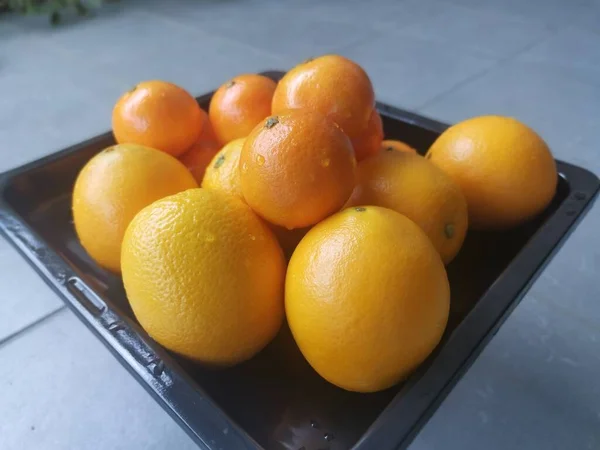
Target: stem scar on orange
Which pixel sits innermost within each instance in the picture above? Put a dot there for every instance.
(160, 115)
(332, 85)
(297, 168)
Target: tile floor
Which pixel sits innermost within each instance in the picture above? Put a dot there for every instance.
(534, 387)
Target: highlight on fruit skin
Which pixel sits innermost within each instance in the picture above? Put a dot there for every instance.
(204, 276)
(113, 187)
(297, 168)
(504, 168)
(367, 298)
(411, 185)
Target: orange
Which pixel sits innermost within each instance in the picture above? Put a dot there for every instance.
(204, 276)
(411, 185)
(366, 298)
(332, 85)
(239, 105)
(368, 143)
(391, 144)
(504, 168)
(297, 168)
(110, 190)
(158, 114)
(222, 173)
(197, 158)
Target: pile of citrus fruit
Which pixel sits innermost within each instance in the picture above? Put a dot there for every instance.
(282, 202)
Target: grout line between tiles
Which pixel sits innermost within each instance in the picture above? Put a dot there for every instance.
(8, 339)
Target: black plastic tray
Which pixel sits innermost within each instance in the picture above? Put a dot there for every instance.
(276, 401)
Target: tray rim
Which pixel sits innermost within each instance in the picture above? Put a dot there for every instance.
(203, 420)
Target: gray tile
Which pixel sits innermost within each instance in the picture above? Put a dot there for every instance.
(564, 110)
(551, 12)
(53, 99)
(571, 280)
(47, 111)
(22, 51)
(290, 29)
(379, 15)
(495, 35)
(198, 68)
(64, 390)
(589, 18)
(574, 51)
(535, 386)
(114, 30)
(24, 298)
(412, 71)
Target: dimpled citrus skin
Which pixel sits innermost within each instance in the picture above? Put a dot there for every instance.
(204, 276)
(391, 145)
(160, 115)
(411, 185)
(504, 168)
(113, 187)
(238, 105)
(366, 297)
(297, 168)
(197, 158)
(223, 172)
(368, 143)
(332, 85)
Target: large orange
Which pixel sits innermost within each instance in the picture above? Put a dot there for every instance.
(395, 145)
(366, 297)
(504, 168)
(222, 173)
(160, 115)
(204, 276)
(411, 185)
(197, 158)
(332, 85)
(297, 168)
(368, 142)
(113, 187)
(239, 104)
